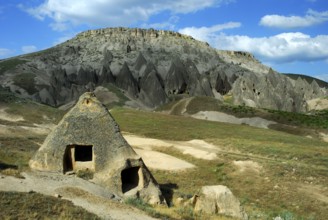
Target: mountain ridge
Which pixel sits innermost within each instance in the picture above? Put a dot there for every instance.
(152, 67)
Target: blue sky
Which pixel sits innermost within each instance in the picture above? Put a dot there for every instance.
(288, 35)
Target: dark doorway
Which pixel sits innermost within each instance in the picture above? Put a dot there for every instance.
(68, 160)
(83, 153)
(77, 157)
(130, 178)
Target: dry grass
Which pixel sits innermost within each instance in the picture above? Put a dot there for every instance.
(293, 166)
(16, 205)
(288, 162)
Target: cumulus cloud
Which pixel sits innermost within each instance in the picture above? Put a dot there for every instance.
(29, 49)
(285, 47)
(208, 33)
(111, 13)
(281, 48)
(279, 21)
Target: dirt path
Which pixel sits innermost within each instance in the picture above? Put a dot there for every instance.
(82, 193)
(185, 103)
(9, 117)
(160, 161)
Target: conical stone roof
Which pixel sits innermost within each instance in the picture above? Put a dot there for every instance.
(89, 139)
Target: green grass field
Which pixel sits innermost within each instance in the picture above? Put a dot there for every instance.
(289, 162)
(292, 182)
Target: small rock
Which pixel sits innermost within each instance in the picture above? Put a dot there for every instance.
(58, 195)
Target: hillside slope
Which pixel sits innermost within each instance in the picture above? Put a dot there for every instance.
(309, 79)
(151, 67)
(272, 173)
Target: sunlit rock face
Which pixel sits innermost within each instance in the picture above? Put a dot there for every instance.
(151, 67)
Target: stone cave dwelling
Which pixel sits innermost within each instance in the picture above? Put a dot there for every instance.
(89, 139)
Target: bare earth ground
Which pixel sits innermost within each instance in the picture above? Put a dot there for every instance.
(197, 148)
(82, 193)
(9, 117)
(223, 117)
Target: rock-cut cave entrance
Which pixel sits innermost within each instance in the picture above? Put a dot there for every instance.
(78, 157)
(132, 179)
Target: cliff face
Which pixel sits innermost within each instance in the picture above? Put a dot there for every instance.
(152, 66)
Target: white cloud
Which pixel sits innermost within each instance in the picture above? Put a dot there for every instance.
(4, 52)
(285, 47)
(208, 33)
(281, 48)
(170, 24)
(29, 49)
(279, 21)
(112, 13)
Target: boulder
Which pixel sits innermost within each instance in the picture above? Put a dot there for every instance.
(219, 200)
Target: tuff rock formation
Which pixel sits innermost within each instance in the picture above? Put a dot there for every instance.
(219, 200)
(88, 139)
(152, 67)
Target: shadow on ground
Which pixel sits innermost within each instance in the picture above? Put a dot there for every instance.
(168, 191)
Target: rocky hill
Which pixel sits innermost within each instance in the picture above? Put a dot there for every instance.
(151, 67)
(309, 79)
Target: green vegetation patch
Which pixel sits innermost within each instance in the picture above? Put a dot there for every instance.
(142, 205)
(26, 81)
(15, 152)
(318, 119)
(6, 96)
(247, 139)
(33, 112)
(122, 98)
(10, 64)
(198, 104)
(314, 120)
(17, 205)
